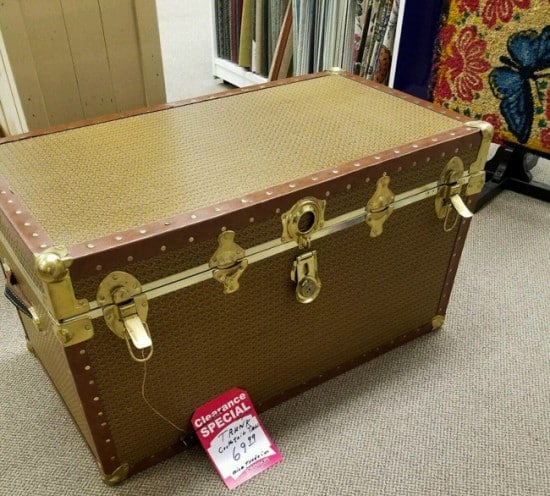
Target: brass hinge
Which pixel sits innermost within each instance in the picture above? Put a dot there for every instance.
(228, 262)
(306, 276)
(125, 309)
(380, 207)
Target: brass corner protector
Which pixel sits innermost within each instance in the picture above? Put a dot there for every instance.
(120, 474)
(486, 130)
(75, 332)
(52, 266)
(437, 322)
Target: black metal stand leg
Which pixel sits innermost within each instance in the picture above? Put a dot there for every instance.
(510, 169)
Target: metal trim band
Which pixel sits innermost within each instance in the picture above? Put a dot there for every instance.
(260, 252)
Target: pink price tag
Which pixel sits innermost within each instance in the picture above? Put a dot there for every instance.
(232, 434)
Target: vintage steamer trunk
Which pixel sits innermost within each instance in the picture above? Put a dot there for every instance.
(267, 238)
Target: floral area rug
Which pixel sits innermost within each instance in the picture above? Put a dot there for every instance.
(493, 63)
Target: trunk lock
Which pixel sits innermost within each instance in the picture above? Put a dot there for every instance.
(125, 310)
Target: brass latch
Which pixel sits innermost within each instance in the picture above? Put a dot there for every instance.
(305, 275)
(304, 218)
(228, 262)
(380, 206)
(448, 196)
(125, 310)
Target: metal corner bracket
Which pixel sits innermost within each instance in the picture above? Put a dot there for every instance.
(120, 474)
(477, 173)
(437, 322)
(486, 130)
(74, 332)
(52, 267)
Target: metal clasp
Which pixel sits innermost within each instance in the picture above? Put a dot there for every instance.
(305, 274)
(125, 310)
(380, 207)
(228, 262)
(448, 197)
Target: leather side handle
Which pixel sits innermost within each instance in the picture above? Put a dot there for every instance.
(14, 294)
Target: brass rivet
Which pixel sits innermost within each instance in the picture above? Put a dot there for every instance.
(96, 398)
(98, 267)
(43, 245)
(251, 219)
(103, 424)
(90, 245)
(82, 352)
(428, 159)
(18, 212)
(35, 235)
(87, 367)
(100, 414)
(167, 223)
(377, 157)
(292, 185)
(113, 458)
(217, 209)
(435, 140)
(130, 258)
(415, 146)
(397, 151)
(163, 248)
(399, 169)
(327, 193)
(193, 216)
(27, 224)
(314, 178)
(269, 193)
(357, 164)
(348, 187)
(107, 440)
(367, 179)
(456, 150)
(224, 228)
(335, 171)
(244, 200)
(414, 164)
(142, 231)
(191, 239)
(118, 238)
(452, 134)
(10, 201)
(91, 383)
(443, 154)
(278, 211)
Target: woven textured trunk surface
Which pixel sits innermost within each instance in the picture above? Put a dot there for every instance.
(199, 154)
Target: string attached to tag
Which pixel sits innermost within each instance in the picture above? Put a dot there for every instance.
(147, 402)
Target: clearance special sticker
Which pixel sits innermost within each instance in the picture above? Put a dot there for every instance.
(232, 434)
